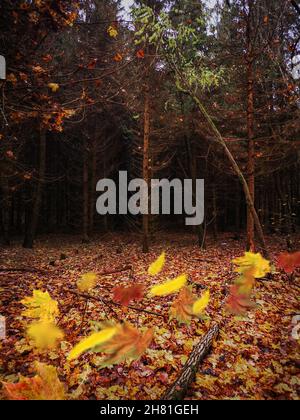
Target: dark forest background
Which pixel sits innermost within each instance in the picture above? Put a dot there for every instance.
(79, 99)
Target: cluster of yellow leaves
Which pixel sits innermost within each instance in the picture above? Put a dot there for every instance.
(186, 304)
(120, 342)
(53, 86)
(43, 332)
(44, 386)
(251, 266)
(87, 282)
(112, 31)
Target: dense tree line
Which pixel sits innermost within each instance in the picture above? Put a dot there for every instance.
(86, 96)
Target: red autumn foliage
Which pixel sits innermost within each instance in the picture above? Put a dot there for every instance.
(125, 295)
(289, 262)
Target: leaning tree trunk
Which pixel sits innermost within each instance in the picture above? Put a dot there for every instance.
(250, 204)
(180, 387)
(33, 222)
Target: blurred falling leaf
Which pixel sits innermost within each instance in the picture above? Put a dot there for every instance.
(238, 303)
(125, 295)
(127, 344)
(87, 282)
(256, 261)
(182, 307)
(158, 265)
(169, 287)
(201, 304)
(289, 262)
(44, 334)
(92, 341)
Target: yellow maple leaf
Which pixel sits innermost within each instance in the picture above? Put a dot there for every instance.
(260, 266)
(169, 287)
(112, 32)
(45, 386)
(201, 304)
(40, 306)
(87, 281)
(53, 86)
(158, 265)
(92, 341)
(44, 334)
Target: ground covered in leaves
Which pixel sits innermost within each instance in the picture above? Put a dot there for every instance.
(255, 357)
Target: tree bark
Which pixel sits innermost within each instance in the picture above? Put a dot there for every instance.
(33, 222)
(180, 387)
(85, 216)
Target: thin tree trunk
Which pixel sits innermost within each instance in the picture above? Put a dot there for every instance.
(93, 185)
(85, 221)
(33, 222)
(146, 157)
(251, 153)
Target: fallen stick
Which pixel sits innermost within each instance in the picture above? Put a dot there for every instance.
(21, 270)
(179, 388)
(109, 302)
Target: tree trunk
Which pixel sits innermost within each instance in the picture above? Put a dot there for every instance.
(180, 387)
(146, 157)
(5, 205)
(93, 185)
(85, 216)
(251, 153)
(33, 222)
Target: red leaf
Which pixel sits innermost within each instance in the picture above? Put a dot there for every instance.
(289, 262)
(125, 295)
(238, 303)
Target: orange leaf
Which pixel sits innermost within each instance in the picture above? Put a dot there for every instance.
(238, 303)
(127, 344)
(289, 262)
(182, 308)
(125, 295)
(45, 386)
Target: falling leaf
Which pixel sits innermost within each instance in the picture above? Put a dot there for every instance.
(201, 304)
(246, 282)
(237, 303)
(182, 308)
(44, 334)
(112, 31)
(53, 86)
(127, 344)
(158, 265)
(289, 262)
(41, 306)
(92, 341)
(87, 282)
(45, 386)
(169, 287)
(256, 261)
(125, 295)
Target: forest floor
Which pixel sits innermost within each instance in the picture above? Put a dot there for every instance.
(255, 357)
